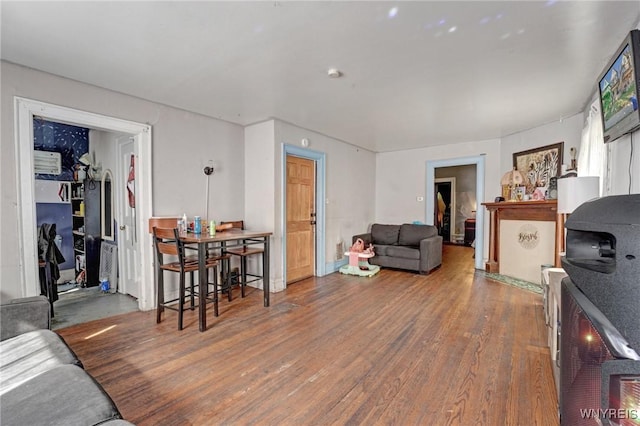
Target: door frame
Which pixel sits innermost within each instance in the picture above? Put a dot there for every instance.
(320, 159)
(25, 110)
(479, 161)
(452, 206)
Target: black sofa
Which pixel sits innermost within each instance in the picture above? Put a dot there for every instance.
(41, 380)
(408, 246)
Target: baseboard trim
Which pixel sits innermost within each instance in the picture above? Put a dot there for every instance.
(335, 266)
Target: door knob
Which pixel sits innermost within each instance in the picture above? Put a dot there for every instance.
(122, 227)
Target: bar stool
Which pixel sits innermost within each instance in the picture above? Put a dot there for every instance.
(167, 243)
(224, 259)
(244, 252)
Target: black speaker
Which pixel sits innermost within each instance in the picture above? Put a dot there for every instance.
(603, 259)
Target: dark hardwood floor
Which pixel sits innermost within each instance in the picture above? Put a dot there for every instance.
(449, 348)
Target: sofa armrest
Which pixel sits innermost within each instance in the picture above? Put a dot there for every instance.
(22, 315)
(364, 237)
(430, 253)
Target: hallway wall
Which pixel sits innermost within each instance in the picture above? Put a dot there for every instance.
(183, 142)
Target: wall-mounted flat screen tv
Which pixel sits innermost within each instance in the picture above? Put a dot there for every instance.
(618, 87)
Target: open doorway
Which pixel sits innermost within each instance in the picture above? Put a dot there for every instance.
(466, 201)
(26, 111)
(75, 198)
(445, 216)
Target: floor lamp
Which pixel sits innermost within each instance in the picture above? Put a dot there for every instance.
(572, 192)
(208, 171)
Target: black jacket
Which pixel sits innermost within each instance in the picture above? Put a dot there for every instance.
(49, 253)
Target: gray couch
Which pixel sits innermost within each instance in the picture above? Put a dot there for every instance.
(407, 246)
(41, 380)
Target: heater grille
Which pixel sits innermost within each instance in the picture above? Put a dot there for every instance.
(109, 264)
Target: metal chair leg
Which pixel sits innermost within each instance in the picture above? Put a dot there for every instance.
(191, 296)
(160, 296)
(243, 274)
(215, 291)
(181, 302)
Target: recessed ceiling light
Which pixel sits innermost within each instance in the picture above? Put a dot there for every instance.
(334, 73)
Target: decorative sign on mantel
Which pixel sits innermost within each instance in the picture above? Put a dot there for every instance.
(528, 236)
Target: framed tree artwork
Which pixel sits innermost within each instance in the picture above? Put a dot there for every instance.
(539, 164)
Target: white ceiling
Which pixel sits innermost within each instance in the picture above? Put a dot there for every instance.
(415, 73)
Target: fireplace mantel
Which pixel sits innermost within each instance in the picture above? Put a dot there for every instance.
(521, 210)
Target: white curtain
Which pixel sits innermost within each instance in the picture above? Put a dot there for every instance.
(592, 159)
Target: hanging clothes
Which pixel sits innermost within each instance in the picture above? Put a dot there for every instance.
(50, 254)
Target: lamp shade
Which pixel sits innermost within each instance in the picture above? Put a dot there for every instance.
(85, 159)
(573, 191)
(513, 177)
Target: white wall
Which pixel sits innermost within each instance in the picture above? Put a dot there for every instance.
(401, 175)
(622, 174)
(350, 180)
(623, 166)
(259, 194)
(568, 130)
(182, 144)
(103, 145)
(401, 178)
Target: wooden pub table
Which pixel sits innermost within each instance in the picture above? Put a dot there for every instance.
(224, 240)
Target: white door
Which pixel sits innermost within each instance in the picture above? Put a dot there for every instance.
(128, 248)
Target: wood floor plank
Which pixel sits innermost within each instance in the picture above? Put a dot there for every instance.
(451, 347)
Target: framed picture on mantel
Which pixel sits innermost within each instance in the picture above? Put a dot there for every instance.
(539, 165)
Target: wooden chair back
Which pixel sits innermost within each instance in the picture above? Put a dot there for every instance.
(235, 224)
(167, 242)
(162, 222)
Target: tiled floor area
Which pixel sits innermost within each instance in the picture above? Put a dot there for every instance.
(79, 305)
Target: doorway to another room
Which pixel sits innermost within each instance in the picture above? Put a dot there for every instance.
(85, 191)
(460, 183)
(76, 196)
(445, 213)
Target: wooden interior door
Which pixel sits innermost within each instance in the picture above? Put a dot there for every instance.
(301, 195)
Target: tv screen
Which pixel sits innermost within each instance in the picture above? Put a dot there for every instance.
(618, 87)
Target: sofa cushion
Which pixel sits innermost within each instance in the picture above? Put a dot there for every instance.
(24, 314)
(382, 249)
(403, 252)
(65, 395)
(384, 234)
(411, 235)
(27, 355)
